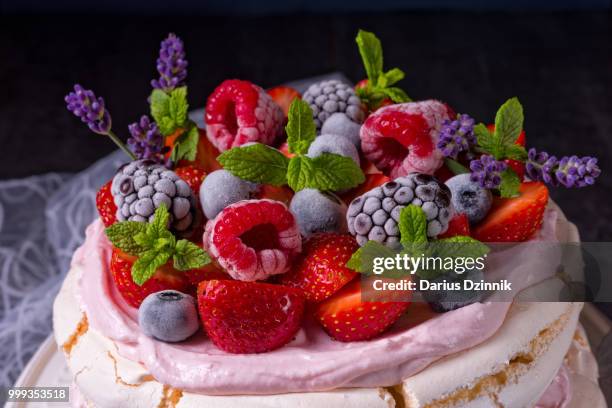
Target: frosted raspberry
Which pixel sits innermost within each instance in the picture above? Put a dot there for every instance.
(253, 239)
(238, 112)
(401, 139)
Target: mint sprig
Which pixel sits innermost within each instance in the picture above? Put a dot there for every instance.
(263, 164)
(380, 83)
(154, 245)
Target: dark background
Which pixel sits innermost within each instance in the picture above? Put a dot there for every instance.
(558, 62)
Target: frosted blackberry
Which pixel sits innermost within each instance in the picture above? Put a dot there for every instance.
(374, 215)
(328, 97)
(141, 186)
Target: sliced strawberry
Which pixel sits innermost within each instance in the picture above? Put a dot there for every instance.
(320, 270)
(371, 181)
(207, 272)
(514, 219)
(249, 317)
(193, 175)
(283, 96)
(346, 318)
(283, 194)
(517, 166)
(106, 205)
(458, 225)
(165, 278)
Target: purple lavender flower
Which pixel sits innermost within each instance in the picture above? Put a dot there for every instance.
(486, 171)
(570, 171)
(171, 64)
(456, 136)
(146, 142)
(84, 104)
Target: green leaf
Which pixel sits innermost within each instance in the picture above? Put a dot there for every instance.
(333, 172)
(412, 226)
(371, 53)
(391, 77)
(510, 184)
(455, 166)
(122, 235)
(169, 110)
(160, 108)
(460, 246)
(257, 163)
(188, 255)
(509, 122)
(362, 260)
(147, 263)
(178, 105)
(186, 145)
(301, 129)
(159, 225)
(396, 94)
(486, 140)
(515, 152)
(300, 172)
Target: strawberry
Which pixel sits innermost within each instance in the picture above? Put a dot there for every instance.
(320, 270)
(514, 219)
(362, 85)
(284, 149)
(371, 181)
(106, 205)
(249, 317)
(443, 173)
(283, 96)
(282, 194)
(206, 156)
(346, 318)
(164, 278)
(458, 225)
(207, 272)
(193, 175)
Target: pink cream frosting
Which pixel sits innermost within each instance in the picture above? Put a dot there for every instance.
(313, 361)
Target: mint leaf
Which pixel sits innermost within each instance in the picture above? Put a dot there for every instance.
(391, 77)
(169, 111)
(515, 152)
(510, 184)
(300, 172)
(333, 172)
(301, 129)
(188, 255)
(371, 53)
(122, 235)
(509, 122)
(159, 225)
(178, 106)
(257, 163)
(362, 260)
(412, 226)
(455, 166)
(460, 246)
(160, 108)
(396, 94)
(186, 145)
(147, 263)
(486, 140)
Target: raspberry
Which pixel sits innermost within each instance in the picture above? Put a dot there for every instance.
(253, 239)
(401, 139)
(328, 97)
(238, 112)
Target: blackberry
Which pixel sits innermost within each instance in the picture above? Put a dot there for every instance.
(141, 186)
(374, 215)
(328, 97)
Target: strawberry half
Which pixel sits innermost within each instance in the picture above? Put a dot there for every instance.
(249, 317)
(514, 219)
(106, 205)
(165, 278)
(346, 318)
(458, 225)
(192, 175)
(283, 96)
(371, 181)
(320, 270)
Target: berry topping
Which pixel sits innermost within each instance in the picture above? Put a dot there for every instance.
(192, 175)
(249, 317)
(469, 197)
(346, 318)
(459, 225)
(142, 186)
(254, 239)
(457, 136)
(331, 96)
(164, 278)
(283, 96)
(146, 142)
(401, 139)
(171, 64)
(221, 188)
(238, 112)
(375, 215)
(169, 316)
(316, 211)
(320, 270)
(105, 205)
(333, 144)
(514, 219)
(446, 300)
(487, 171)
(572, 171)
(340, 124)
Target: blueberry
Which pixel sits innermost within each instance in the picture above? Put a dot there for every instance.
(220, 189)
(316, 211)
(333, 144)
(340, 124)
(446, 300)
(168, 316)
(469, 197)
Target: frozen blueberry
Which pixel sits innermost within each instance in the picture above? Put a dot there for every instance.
(221, 188)
(168, 316)
(333, 144)
(446, 300)
(341, 125)
(469, 197)
(316, 211)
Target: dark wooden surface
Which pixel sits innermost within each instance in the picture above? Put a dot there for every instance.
(559, 65)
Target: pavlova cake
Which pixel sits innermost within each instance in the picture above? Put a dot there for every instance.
(231, 266)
